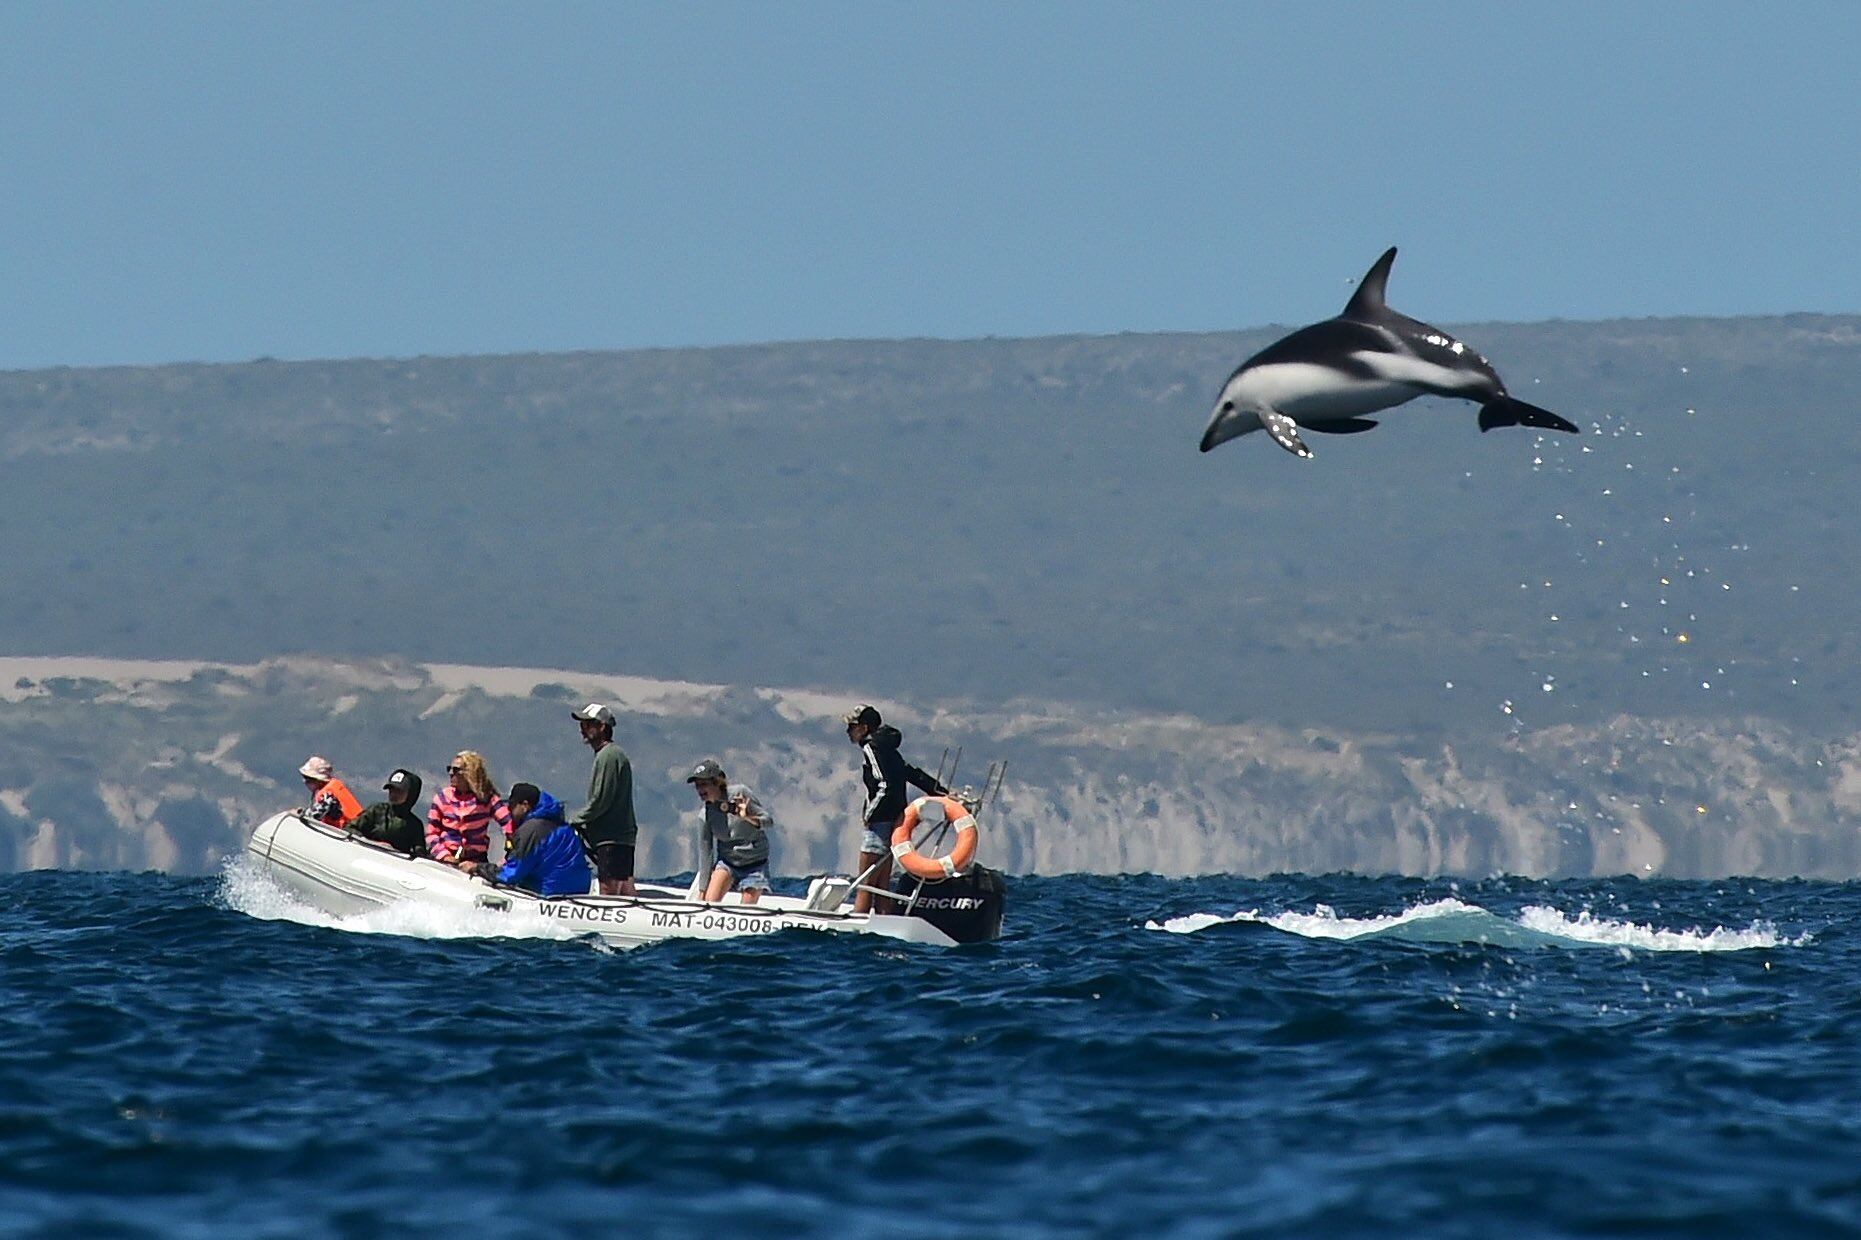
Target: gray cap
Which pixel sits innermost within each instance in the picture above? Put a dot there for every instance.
(594, 712)
(707, 769)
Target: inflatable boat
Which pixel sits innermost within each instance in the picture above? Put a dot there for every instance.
(340, 874)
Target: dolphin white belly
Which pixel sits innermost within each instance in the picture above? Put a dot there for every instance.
(1308, 390)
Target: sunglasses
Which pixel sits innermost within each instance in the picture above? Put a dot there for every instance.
(455, 770)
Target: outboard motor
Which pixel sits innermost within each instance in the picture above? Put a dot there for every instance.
(968, 907)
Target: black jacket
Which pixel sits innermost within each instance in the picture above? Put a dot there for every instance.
(885, 773)
(397, 826)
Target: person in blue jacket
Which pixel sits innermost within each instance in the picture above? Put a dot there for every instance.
(545, 853)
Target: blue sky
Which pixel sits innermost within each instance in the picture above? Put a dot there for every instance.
(224, 181)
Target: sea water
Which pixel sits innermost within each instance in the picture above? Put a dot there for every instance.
(1331, 1056)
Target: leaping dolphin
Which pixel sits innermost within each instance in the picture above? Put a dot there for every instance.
(1327, 376)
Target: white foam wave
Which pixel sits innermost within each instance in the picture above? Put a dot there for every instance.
(1585, 927)
(1192, 922)
(1455, 921)
(1323, 921)
(245, 888)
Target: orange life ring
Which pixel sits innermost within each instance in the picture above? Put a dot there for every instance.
(936, 868)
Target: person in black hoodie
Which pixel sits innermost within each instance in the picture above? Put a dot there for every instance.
(393, 821)
(885, 773)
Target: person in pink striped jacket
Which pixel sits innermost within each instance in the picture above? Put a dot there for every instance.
(458, 826)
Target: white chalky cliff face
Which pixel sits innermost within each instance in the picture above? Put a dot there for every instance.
(1328, 376)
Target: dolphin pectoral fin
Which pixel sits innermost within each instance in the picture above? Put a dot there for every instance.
(1509, 412)
(1349, 426)
(1285, 433)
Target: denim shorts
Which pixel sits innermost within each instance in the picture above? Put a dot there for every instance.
(748, 877)
(875, 843)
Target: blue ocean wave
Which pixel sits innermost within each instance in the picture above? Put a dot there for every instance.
(178, 1058)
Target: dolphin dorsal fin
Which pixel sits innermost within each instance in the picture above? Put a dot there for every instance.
(1367, 302)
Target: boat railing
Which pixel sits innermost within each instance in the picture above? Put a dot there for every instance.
(673, 904)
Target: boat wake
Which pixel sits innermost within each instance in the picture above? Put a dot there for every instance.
(1454, 921)
(246, 888)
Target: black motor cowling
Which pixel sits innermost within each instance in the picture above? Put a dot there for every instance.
(968, 907)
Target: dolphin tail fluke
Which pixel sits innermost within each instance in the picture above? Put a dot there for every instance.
(1508, 412)
(1369, 299)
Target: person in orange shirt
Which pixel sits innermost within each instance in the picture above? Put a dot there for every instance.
(330, 798)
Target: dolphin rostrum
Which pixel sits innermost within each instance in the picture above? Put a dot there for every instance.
(1327, 376)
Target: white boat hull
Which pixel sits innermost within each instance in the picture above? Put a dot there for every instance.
(335, 872)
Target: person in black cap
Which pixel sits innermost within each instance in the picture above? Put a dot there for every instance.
(393, 821)
(545, 853)
(885, 773)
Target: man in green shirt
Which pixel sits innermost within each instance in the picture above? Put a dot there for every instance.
(606, 822)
